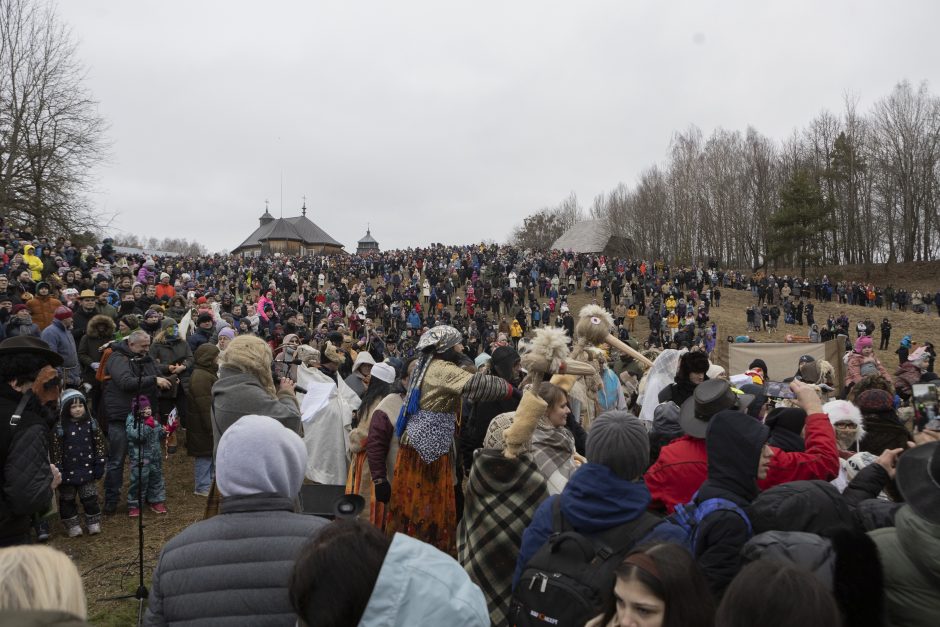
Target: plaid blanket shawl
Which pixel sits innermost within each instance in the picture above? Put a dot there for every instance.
(501, 498)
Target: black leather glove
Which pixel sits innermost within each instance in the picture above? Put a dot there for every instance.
(383, 491)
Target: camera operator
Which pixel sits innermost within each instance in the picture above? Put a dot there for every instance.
(246, 386)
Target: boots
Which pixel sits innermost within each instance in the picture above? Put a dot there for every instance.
(93, 521)
(72, 526)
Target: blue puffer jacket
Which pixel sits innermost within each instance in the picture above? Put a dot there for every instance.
(593, 501)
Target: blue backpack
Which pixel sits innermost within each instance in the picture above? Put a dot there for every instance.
(683, 525)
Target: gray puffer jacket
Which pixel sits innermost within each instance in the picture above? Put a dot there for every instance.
(233, 568)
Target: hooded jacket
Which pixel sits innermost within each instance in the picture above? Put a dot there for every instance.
(34, 262)
(237, 394)
(910, 556)
(594, 500)
(234, 568)
(61, 341)
(167, 352)
(199, 406)
(682, 465)
(734, 441)
(420, 585)
(100, 331)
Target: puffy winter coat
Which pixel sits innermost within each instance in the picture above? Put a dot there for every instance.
(905, 377)
(42, 309)
(99, 332)
(124, 375)
(237, 564)
(682, 466)
(168, 352)
(910, 556)
(199, 406)
(28, 490)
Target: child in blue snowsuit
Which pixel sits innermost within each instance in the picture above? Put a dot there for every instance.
(145, 444)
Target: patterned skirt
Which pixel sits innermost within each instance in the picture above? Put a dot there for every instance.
(359, 482)
(422, 504)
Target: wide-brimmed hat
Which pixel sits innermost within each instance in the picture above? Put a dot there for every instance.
(33, 345)
(709, 398)
(918, 479)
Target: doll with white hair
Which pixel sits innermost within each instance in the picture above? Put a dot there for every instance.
(846, 420)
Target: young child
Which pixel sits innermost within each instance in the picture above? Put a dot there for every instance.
(145, 444)
(78, 451)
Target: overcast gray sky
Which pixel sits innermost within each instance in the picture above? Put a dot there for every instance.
(442, 121)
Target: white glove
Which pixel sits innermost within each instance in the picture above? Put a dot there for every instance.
(94, 365)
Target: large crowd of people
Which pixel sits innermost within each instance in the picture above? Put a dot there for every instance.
(516, 460)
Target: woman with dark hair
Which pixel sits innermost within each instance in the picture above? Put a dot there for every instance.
(659, 586)
(352, 574)
(773, 594)
(691, 372)
(359, 480)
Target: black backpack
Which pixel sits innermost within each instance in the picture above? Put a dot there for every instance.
(571, 578)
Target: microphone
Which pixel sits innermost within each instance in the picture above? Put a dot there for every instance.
(300, 389)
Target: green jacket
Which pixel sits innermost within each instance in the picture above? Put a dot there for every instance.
(910, 557)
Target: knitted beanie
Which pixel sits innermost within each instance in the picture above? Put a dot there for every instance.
(259, 455)
(619, 440)
(863, 342)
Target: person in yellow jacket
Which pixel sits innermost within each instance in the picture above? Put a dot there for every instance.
(515, 332)
(671, 303)
(632, 313)
(33, 261)
(673, 323)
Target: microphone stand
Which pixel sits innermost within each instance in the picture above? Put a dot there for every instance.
(142, 593)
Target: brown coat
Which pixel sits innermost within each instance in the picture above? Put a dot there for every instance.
(42, 309)
(199, 396)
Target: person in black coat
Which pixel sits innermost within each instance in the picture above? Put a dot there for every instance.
(26, 488)
(505, 363)
(738, 455)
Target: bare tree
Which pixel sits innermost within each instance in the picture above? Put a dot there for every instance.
(51, 134)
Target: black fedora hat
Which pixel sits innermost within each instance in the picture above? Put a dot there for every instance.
(27, 344)
(709, 398)
(918, 480)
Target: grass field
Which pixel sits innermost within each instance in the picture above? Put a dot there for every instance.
(108, 562)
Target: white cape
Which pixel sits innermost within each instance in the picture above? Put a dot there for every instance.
(326, 411)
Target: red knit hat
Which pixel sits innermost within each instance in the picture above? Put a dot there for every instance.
(62, 313)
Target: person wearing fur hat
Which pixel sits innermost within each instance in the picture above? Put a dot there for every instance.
(246, 386)
(863, 362)
(846, 420)
(98, 334)
(604, 493)
(144, 435)
(238, 563)
(910, 372)
(42, 307)
(78, 451)
(422, 502)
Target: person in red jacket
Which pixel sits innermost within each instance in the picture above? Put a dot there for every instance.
(682, 466)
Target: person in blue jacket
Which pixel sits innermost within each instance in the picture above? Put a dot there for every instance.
(603, 493)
